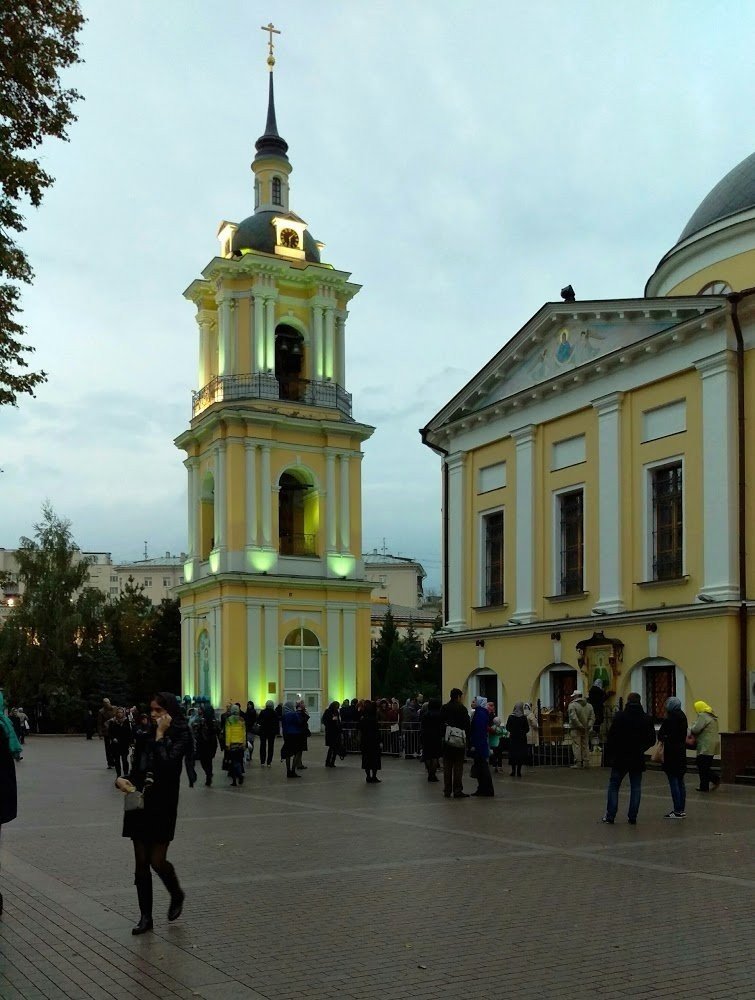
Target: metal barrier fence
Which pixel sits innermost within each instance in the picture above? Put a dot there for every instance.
(397, 739)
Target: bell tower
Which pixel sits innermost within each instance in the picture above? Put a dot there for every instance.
(274, 604)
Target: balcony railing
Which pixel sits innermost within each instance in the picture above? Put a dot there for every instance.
(261, 385)
(298, 545)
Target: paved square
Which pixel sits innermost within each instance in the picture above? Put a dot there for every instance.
(328, 887)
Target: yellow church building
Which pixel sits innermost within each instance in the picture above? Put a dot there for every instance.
(599, 488)
(275, 604)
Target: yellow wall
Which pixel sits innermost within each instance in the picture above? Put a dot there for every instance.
(737, 271)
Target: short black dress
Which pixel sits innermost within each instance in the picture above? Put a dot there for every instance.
(8, 806)
(162, 759)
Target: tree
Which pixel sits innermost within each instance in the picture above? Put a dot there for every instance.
(381, 652)
(130, 618)
(38, 39)
(411, 646)
(399, 679)
(165, 646)
(39, 640)
(431, 672)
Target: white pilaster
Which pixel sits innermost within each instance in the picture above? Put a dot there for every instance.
(330, 336)
(266, 492)
(719, 466)
(455, 553)
(349, 654)
(204, 322)
(192, 468)
(270, 334)
(317, 337)
(609, 502)
(330, 500)
(221, 513)
(341, 348)
(524, 438)
(255, 675)
(224, 335)
(188, 678)
(335, 687)
(250, 455)
(271, 670)
(345, 506)
(258, 358)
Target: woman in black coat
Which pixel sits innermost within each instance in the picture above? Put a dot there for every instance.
(157, 774)
(432, 729)
(10, 752)
(370, 737)
(518, 727)
(331, 719)
(673, 736)
(120, 735)
(269, 723)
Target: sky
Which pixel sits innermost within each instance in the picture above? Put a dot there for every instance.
(463, 160)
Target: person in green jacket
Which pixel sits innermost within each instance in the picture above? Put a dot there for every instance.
(705, 730)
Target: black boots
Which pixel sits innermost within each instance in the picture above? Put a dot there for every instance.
(170, 881)
(143, 885)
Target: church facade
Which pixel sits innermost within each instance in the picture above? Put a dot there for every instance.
(274, 604)
(597, 518)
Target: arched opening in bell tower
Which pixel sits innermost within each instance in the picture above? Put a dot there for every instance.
(207, 516)
(289, 362)
(298, 514)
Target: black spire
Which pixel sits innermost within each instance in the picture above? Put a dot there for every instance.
(271, 144)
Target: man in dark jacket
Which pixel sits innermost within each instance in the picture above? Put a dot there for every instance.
(631, 734)
(454, 713)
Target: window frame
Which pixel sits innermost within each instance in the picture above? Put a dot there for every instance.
(483, 589)
(557, 540)
(650, 531)
(276, 192)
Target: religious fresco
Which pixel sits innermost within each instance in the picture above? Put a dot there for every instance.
(571, 344)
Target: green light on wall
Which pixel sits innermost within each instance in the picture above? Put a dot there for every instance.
(262, 560)
(188, 572)
(214, 562)
(341, 565)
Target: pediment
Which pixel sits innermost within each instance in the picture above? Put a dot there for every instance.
(561, 339)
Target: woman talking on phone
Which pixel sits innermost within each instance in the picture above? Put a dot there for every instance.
(156, 774)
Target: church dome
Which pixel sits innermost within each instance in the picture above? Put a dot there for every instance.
(258, 233)
(733, 194)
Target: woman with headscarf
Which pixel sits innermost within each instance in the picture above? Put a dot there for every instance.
(518, 728)
(673, 736)
(478, 737)
(331, 720)
(10, 752)
(292, 724)
(532, 734)
(205, 731)
(121, 737)
(269, 724)
(370, 739)
(235, 744)
(157, 775)
(250, 721)
(705, 731)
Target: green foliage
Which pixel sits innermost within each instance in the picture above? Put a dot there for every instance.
(399, 680)
(38, 39)
(166, 646)
(431, 673)
(130, 618)
(381, 652)
(38, 645)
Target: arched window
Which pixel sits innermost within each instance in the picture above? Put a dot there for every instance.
(289, 362)
(715, 288)
(301, 670)
(298, 515)
(207, 516)
(277, 198)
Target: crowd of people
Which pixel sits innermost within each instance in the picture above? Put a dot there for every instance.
(149, 751)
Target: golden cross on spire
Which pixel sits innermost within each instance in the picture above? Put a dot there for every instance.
(271, 30)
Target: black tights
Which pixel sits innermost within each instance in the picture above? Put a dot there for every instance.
(150, 856)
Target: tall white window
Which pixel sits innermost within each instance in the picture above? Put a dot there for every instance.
(666, 520)
(491, 558)
(570, 541)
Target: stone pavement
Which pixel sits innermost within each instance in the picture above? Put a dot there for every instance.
(328, 887)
